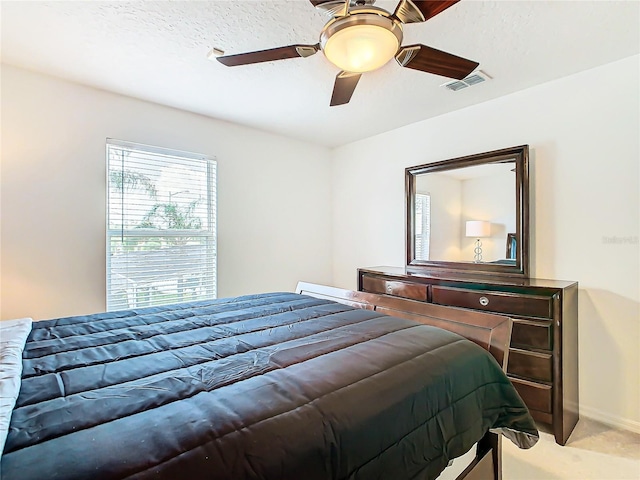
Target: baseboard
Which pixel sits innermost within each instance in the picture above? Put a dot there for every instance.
(608, 419)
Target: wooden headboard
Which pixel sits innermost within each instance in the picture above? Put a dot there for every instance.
(491, 332)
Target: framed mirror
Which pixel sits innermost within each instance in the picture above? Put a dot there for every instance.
(470, 214)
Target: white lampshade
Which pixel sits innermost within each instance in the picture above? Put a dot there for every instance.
(478, 228)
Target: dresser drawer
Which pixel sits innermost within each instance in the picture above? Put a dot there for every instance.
(528, 333)
(537, 366)
(501, 302)
(414, 291)
(535, 395)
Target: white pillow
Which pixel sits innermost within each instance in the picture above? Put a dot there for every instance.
(13, 336)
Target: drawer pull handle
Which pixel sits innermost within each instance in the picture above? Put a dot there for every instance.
(389, 288)
(484, 301)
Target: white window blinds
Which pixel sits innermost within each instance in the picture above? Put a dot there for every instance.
(423, 225)
(161, 226)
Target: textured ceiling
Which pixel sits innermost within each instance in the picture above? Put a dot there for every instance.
(157, 51)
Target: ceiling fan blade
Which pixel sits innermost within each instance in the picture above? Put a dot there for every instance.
(280, 53)
(427, 59)
(343, 88)
(333, 8)
(412, 11)
(319, 3)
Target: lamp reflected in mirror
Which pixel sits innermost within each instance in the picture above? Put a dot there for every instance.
(478, 229)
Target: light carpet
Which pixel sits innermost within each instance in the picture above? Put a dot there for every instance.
(594, 452)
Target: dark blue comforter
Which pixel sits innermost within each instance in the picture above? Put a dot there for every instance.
(272, 386)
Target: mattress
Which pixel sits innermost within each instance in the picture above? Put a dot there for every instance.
(269, 386)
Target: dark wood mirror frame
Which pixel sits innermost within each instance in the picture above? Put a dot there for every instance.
(520, 155)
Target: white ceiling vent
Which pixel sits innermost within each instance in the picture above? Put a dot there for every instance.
(472, 79)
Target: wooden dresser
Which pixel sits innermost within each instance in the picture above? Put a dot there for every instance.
(543, 358)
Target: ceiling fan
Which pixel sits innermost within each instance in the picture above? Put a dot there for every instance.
(361, 38)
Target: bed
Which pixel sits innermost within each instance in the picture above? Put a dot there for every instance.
(323, 383)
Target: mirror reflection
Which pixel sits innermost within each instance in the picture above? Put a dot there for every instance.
(467, 214)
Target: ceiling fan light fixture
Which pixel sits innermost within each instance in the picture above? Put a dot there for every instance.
(361, 42)
(361, 38)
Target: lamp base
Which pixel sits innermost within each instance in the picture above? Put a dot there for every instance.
(477, 258)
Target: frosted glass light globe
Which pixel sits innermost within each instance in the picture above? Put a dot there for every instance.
(361, 48)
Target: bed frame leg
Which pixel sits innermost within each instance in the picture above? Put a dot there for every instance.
(487, 464)
(493, 442)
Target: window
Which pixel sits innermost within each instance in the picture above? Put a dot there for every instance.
(161, 226)
(423, 225)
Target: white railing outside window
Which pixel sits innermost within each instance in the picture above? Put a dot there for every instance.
(161, 226)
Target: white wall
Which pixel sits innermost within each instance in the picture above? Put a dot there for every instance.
(583, 134)
(274, 213)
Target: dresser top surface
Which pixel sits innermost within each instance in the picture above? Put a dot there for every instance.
(492, 279)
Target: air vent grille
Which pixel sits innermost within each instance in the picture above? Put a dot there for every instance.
(455, 86)
(473, 78)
